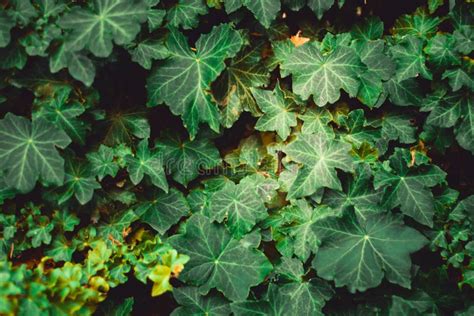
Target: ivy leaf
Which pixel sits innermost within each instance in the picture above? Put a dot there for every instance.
(409, 188)
(62, 113)
(105, 21)
(465, 131)
(305, 298)
(79, 181)
(239, 205)
(357, 193)
(125, 126)
(147, 162)
(81, 68)
(319, 155)
(184, 158)
(193, 303)
(410, 60)
(440, 51)
(358, 253)
(186, 13)
(116, 225)
(163, 210)
(320, 6)
(446, 110)
(420, 24)
(6, 24)
(317, 121)
(183, 80)
(323, 75)
(277, 111)
(218, 260)
(148, 50)
(398, 127)
(406, 92)
(245, 71)
(102, 162)
(27, 152)
(265, 11)
(459, 78)
(370, 29)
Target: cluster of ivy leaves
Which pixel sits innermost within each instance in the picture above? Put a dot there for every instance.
(292, 157)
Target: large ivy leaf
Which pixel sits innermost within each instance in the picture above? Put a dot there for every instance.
(184, 79)
(193, 303)
(277, 111)
(409, 186)
(323, 76)
(358, 253)
(440, 51)
(103, 22)
(320, 156)
(147, 162)
(102, 162)
(184, 159)
(218, 260)
(27, 152)
(239, 205)
(163, 210)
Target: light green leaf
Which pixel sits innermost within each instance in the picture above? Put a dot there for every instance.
(358, 253)
(319, 156)
(317, 121)
(184, 158)
(323, 75)
(81, 68)
(184, 79)
(459, 78)
(218, 260)
(277, 109)
(105, 21)
(420, 24)
(148, 162)
(27, 152)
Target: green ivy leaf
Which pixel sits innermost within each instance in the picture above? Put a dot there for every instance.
(239, 205)
(320, 156)
(79, 181)
(163, 210)
(410, 60)
(184, 158)
(358, 253)
(264, 10)
(323, 75)
(102, 162)
(183, 80)
(277, 107)
(186, 13)
(105, 21)
(193, 303)
(27, 152)
(420, 23)
(6, 24)
(217, 258)
(408, 187)
(147, 162)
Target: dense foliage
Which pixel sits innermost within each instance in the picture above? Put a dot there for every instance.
(245, 157)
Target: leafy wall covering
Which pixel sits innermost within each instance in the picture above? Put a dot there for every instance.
(244, 157)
